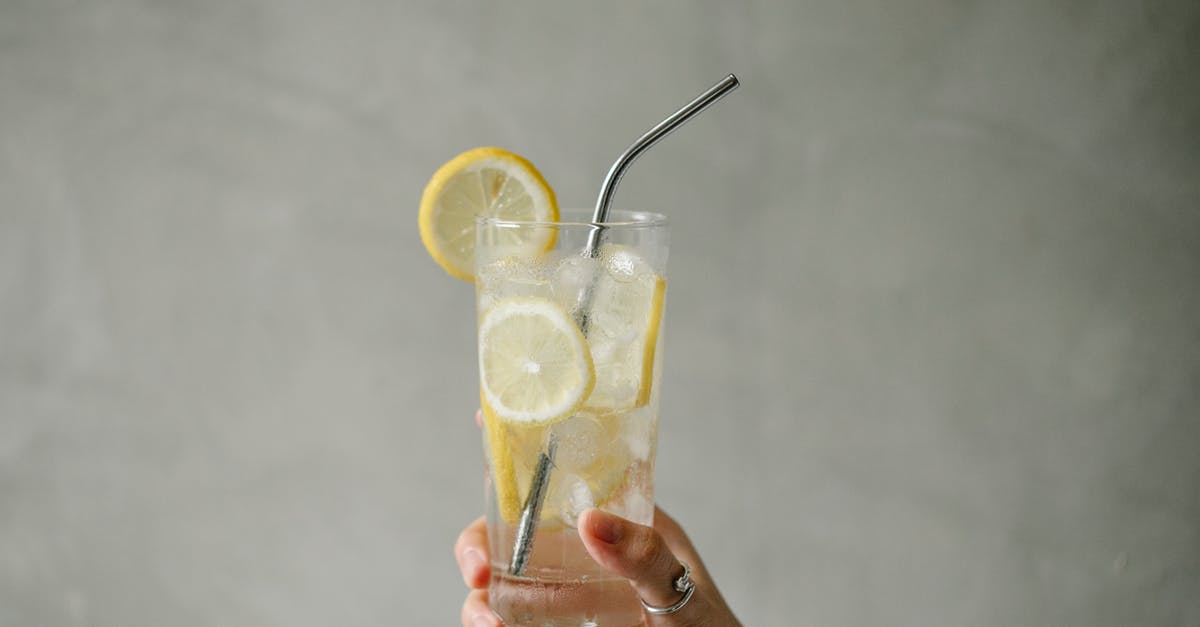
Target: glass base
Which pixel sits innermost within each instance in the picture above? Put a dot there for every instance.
(585, 602)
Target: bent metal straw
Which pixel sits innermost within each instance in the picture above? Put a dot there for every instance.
(532, 508)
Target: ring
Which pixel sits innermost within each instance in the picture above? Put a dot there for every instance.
(683, 584)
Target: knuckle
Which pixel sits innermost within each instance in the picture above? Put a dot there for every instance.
(646, 549)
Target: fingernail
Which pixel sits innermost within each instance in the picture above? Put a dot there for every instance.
(472, 560)
(482, 621)
(606, 527)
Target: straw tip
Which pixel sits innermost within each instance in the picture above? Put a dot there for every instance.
(732, 80)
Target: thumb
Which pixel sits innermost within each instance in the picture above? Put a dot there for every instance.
(635, 552)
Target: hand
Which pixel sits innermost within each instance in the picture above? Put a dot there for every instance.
(648, 557)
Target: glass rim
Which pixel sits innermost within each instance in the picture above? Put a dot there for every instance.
(618, 218)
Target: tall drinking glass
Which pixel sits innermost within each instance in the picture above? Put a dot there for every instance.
(570, 351)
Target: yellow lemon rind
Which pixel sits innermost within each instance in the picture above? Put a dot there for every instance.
(459, 164)
(651, 347)
(504, 472)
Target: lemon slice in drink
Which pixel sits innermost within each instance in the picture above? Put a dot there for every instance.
(624, 322)
(590, 465)
(483, 182)
(535, 370)
(534, 363)
(500, 443)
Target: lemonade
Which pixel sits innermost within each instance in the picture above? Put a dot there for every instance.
(570, 354)
(570, 335)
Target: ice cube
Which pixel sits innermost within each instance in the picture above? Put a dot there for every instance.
(638, 507)
(572, 495)
(572, 276)
(622, 264)
(604, 352)
(580, 439)
(637, 431)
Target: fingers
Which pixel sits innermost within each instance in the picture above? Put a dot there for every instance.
(680, 544)
(471, 551)
(682, 547)
(476, 613)
(675, 538)
(635, 552)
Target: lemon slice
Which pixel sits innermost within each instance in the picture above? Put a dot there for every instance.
(624, 324)
(499, 443)
(590, 466)
(483, 182)
(534, 363)
(650, 344)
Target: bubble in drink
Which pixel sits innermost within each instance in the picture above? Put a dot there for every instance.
(512, 277)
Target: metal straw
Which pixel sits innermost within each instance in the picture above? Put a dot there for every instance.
(651, 137)
(533, 507)
(541, 477)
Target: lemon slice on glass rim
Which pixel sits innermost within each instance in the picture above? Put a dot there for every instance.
(483, 182)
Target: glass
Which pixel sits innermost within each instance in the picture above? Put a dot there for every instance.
(604, 453)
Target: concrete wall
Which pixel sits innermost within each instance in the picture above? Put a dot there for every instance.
(933, 335)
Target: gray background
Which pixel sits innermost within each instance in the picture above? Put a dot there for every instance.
(933, 351)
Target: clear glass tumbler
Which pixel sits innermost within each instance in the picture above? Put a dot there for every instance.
(570, 360)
